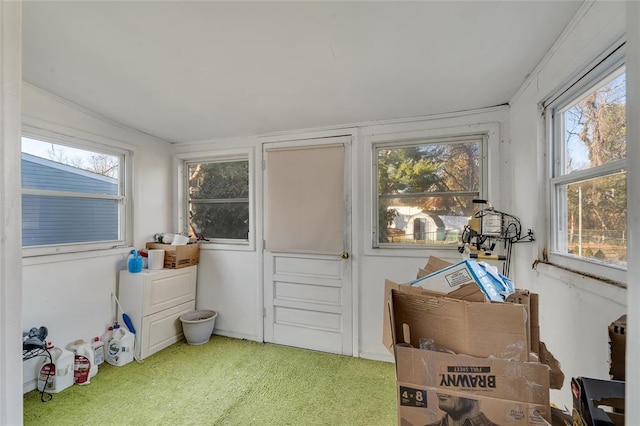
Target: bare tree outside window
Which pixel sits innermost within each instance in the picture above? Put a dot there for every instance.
(596, 205)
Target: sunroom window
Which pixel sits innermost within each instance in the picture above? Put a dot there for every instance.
(72, 196)
(588, 174)
(425, 190)
(218, 199)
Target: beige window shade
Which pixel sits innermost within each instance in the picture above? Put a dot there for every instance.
(305, 201)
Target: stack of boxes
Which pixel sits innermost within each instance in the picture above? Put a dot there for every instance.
(458, 346)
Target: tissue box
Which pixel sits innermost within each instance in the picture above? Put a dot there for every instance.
(178, 256)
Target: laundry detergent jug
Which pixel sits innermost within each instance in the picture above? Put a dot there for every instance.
(121, 347)
(57, 375)
(84, 362)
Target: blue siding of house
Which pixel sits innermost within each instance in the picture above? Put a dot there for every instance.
(48, 220)
(39, 176)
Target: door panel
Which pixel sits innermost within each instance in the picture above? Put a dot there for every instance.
(307, 283)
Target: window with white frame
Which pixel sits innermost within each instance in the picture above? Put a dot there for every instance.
(587, 186)
(425, 189)
(218, 199)
(73, 196)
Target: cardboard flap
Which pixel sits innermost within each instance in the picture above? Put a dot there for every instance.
(476, 329)
(433, 264)
(468, 292)
(556, 374)
(389, 285)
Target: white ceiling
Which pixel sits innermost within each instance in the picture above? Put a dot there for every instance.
(190, 71)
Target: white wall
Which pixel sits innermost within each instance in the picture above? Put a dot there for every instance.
(575, 311)
(70, 294)
(229, 281)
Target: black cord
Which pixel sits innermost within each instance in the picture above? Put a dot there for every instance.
(41, 352)
(50, 372)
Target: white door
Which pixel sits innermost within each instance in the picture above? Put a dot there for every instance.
(307, 262)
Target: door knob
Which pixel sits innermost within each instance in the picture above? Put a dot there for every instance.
(345, 255)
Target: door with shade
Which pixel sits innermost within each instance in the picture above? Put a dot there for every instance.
(307, 228)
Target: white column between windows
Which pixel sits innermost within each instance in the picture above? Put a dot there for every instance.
(632, 391)
(10, 213)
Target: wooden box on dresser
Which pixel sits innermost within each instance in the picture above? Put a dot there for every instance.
(155, 299)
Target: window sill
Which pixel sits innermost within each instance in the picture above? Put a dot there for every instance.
(415, 252)
(64, 257)
(227, 246)
(606, 288)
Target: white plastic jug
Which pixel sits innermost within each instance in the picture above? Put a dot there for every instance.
(98, 350)
(121, 347)
(106, 337)
(84, 362)
(57, 375)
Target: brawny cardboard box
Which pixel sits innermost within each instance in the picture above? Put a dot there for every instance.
(491, 377)
(486, 354)
(506, 391)
(470, 292)
(178, 256)
(428, 406)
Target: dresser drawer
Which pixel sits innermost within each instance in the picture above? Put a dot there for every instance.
(162, 329)
(163, 291)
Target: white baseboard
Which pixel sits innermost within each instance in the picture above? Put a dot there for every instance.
(377, 356)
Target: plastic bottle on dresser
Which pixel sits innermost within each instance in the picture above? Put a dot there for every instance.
(98, 350)
(84, 362)
(57, 375)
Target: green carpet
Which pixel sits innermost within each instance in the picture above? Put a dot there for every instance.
(227, 382)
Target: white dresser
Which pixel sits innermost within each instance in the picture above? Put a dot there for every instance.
(155, 299)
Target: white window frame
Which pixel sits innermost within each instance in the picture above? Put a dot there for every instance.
(489, 187)
(599, 71)
(124, 182)
(183, 195)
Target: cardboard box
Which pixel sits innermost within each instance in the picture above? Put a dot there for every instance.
(420, 405)
(589, 395)
(449, 278)
(471, 293)
(470, 328)
(178, 256)
(617, 347)
(507, 392)
(490, 377)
